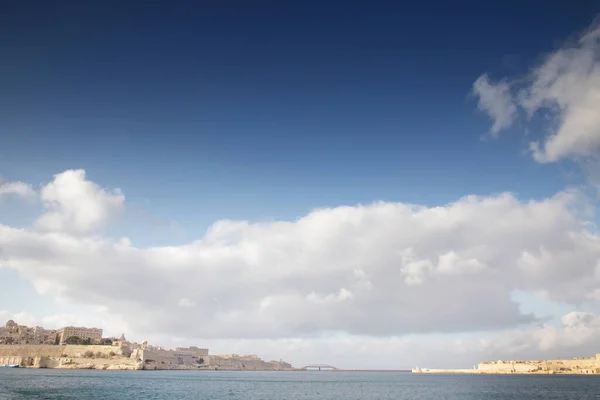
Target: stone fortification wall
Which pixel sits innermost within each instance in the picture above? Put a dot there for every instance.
(577, 366)
(504, 367)
(119, 363)
(117, 357)
(584, 366)
(56, 351)
(589, 365)
(197, 351)
(168, 359)
(31, 350)
(56, 356)
(244, 363)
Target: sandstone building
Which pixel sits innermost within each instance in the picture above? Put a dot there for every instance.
(94, 334)
(13, 333)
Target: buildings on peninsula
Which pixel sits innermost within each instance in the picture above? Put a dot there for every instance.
(94, 335)
(12, 334)
(85, 348)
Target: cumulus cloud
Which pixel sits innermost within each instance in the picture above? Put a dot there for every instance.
(16, 188)
(496, 100)
(77, 205)
(578, 334)
(566, 87)
(377, 270)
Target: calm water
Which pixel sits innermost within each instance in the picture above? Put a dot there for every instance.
(63, 384)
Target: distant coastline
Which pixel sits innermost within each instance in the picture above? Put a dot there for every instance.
(73, 347)
(573, 366)
(121, 356)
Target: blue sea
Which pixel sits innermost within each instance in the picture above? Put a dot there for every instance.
(90, 384)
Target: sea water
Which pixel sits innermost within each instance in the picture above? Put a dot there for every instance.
(246, 385)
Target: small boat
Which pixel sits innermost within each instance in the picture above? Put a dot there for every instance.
(10, 366)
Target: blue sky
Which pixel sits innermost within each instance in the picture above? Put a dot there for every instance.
(264, 111)
(251, 111)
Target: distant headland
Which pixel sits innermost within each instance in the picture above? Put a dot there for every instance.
(85, 348)
(579, 366)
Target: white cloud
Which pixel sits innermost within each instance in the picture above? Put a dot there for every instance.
(496, 100)
(381, 269)
(343, 295)
(185, 302)
(577, 336)
(21, 318)
(566, 86)
(450, 263)
(16, 188)
(77, 205)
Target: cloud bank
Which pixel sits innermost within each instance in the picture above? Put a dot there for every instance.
(377, 270)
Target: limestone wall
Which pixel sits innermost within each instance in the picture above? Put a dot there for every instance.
(166, 359)
(116, 357)
(192, 350)
(18, 360)
(578, 366)
(91, 363)
(582, 366)
(509, 367)
(169, 359)
(56, 351)
(244, 363)
(589, 365)
(31, 350)
(50, 356)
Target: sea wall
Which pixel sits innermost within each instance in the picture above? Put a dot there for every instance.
(67, 356)
(67, 350)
